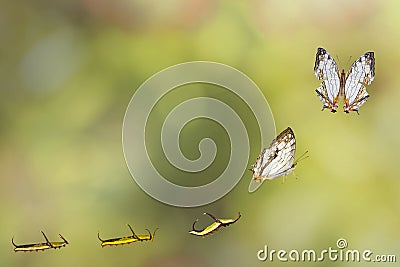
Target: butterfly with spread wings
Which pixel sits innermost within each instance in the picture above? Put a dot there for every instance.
(350, 85)
(275, 160)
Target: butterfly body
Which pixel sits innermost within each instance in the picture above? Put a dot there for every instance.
(351, 85)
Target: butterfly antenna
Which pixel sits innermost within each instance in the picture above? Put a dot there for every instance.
(338, 60)
(349, 61)
(303, 156)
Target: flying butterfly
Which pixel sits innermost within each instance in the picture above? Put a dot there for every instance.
(351, 85)
(276, 160)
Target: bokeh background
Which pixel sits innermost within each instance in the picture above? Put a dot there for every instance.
(69, 68)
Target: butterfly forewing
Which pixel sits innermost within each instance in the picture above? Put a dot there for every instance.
(326, 69)
(283, 161)
(276, 160)
(361, 73)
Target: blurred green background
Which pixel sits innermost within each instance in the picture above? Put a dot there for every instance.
(69, 68)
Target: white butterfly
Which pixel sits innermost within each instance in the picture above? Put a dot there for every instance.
(274, 161)
(350, 85)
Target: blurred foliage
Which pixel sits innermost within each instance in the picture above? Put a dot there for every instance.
(69, 68)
